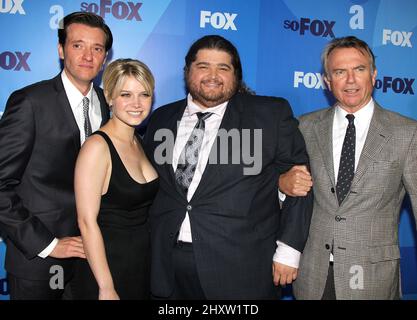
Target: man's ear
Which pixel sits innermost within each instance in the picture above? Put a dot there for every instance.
(328, 82)
(374, 77)
(61, 51)
(105, 60)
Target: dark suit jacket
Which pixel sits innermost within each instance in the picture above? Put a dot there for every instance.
(39, 144)
(235, 218)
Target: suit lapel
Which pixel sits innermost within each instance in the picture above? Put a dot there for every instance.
(65, 106)
(231, 120)
(378, 136)
(323, 130)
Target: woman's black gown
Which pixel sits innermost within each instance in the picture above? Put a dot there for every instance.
(123, 221)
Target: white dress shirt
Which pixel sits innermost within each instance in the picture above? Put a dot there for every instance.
(75, 98)
(186, 126)
(362, 122)
(212, 124)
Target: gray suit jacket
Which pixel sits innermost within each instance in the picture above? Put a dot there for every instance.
(364, 229)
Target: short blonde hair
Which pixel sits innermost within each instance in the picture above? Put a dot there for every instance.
(116, 72)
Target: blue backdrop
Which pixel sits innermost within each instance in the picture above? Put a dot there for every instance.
(280, 42)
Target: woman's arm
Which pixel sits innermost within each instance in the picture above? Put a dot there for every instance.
(91, 180)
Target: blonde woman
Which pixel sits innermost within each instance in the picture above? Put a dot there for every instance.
(115, 185)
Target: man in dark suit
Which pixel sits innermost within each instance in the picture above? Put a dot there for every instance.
(216, 220)
(41, 131)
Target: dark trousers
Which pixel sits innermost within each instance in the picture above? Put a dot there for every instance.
(24, 289)
(329, 290)
(187, 283)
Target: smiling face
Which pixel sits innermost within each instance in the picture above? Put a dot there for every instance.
(350, 77)
(83, 54)
(211, 78)
(132, 104)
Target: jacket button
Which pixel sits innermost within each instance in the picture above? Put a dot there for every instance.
(332, 190)
(327, 246)
(171, 235)
(189, 208)
(338, 218)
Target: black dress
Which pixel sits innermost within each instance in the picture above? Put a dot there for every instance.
(123, 221)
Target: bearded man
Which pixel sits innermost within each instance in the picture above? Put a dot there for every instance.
(217, 230)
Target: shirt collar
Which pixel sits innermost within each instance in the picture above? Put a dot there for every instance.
(74, 95)
(193, 108)
(362, 116)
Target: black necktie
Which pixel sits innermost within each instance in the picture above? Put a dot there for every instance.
(87, 123)
(347, 161)
(188, 159)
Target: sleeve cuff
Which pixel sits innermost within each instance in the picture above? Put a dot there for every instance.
(47, 251)
(281, 196)
(286, 255)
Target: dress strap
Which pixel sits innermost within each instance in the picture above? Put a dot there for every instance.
(113, 152)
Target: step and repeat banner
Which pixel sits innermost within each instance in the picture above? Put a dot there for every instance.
(280, 42)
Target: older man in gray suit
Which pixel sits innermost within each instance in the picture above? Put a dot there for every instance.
(363, 160)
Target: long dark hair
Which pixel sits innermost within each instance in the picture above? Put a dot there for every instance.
(218, 43)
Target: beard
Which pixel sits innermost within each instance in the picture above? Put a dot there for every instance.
(211, 97)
